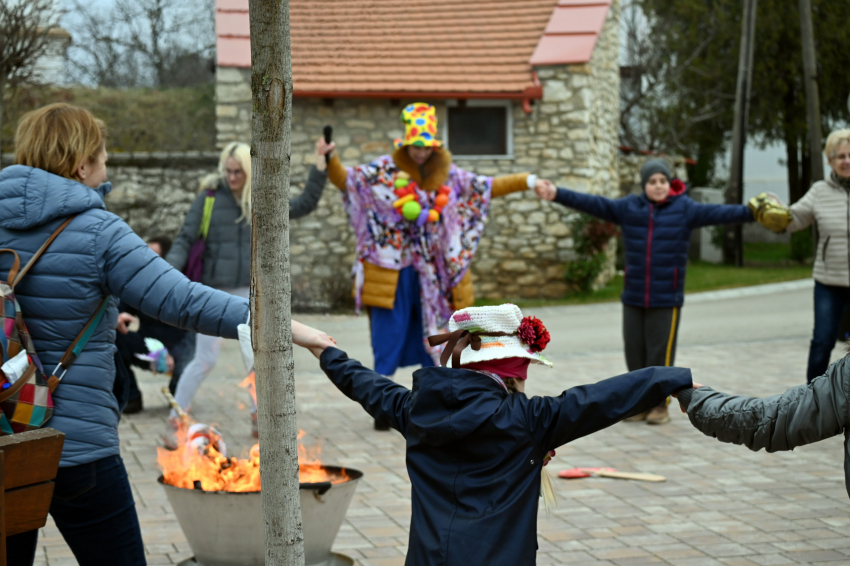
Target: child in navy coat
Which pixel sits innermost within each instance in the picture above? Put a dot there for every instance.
(476, 445)
(657, 235)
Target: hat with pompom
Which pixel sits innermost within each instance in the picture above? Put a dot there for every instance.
(482, 334)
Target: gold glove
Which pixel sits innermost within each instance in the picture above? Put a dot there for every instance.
(770, 212)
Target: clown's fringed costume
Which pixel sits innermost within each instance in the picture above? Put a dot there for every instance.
(417, 230)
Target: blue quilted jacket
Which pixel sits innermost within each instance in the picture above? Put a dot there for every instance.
(657, 237)
(96, 255)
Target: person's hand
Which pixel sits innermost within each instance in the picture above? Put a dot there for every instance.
(676, 395)
(125, 318)
(314, 340)
(323, 148)
(169, 363)
(545, 189)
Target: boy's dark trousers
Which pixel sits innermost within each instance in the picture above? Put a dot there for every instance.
(650, 335)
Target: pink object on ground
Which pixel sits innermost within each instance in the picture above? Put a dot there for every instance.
(576, 473)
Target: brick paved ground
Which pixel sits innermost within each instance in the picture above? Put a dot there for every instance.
(721, 505)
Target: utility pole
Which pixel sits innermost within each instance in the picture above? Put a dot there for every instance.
(274, 366)
(733, 246)
(807, 35)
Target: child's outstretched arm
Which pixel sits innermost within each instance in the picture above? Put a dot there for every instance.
(801, 415)
(586, 409)
(701, 214)
(607, 209)
(381, 397)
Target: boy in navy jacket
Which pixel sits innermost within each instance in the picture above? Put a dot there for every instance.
(476, 445)
(657, 235)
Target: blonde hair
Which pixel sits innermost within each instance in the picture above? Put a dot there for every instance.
(58, 138)
(241, 152)
(835, 139)
(209, 181)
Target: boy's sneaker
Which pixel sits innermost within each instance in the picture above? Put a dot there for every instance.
(133, 406)
(638, 417)
(658, 415)
(255, 431)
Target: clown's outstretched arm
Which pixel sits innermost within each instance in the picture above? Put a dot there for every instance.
(802, 415)
(507, 184)
(585, 409)
(337, 172)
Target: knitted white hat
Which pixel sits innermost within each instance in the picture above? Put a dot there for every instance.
(503, 318)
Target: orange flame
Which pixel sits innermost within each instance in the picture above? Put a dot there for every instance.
(216, 472)
(249, 384)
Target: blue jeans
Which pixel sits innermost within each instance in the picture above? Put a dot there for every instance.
(830, 302)
(397, 333)
(94, 510)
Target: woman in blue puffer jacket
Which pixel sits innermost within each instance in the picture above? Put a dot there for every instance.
(60, 172)
(657, 235)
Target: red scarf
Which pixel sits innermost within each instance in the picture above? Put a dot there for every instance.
(516, 368)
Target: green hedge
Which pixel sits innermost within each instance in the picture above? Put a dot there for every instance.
(176, 119)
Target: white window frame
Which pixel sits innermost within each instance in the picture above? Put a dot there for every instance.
(485, 103)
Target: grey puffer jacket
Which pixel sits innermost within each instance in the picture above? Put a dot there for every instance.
(802, 415)
(227, 258)
(827, 204)
(96, 255)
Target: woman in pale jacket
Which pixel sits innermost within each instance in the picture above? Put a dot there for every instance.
(827, 204)
(227, 257)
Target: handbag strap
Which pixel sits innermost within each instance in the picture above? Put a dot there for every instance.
(37, 254)
(209, 202)
(78, 344)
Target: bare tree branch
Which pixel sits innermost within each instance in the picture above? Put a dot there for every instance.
(143, 42)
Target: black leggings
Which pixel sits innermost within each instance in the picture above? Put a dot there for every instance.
(650, 336)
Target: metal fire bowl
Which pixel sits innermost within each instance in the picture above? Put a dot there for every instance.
(226, 528)
(336, 559)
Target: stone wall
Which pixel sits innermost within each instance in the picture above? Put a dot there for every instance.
(569, 137)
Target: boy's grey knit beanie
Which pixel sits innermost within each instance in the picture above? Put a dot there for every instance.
(652, 167)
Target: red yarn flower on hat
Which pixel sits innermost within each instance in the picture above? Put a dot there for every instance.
(532, 332)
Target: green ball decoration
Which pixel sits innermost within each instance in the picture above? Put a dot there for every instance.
(401, 183)
(411, 210)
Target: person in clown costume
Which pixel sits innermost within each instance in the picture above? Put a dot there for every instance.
(417, 218)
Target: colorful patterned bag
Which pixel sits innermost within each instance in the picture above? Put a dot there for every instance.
(25, 388)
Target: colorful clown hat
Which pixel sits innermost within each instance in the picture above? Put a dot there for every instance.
(420, 126)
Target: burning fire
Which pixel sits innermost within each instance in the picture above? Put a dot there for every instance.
(201, 457)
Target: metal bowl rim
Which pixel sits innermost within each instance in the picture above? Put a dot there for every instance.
(353, 476)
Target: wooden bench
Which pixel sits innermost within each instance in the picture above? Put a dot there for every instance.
(28, 465)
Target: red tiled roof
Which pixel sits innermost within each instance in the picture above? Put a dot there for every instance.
(394, 48)
(571, 33)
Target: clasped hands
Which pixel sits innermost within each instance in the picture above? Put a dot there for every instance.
(545, 189)
(302, 335)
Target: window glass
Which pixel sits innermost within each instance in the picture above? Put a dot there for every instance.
(477, 130)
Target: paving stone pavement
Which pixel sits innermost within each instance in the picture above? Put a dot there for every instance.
(721, 505)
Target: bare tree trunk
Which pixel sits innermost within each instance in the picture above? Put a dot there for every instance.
(271, 87)
(807, 35)
(733, 245)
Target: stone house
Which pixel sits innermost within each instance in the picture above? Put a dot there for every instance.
(519, 86)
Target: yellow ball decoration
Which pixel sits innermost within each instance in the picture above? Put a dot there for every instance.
(433, 215)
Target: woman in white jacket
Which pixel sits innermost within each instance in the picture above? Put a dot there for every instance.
(827, 204)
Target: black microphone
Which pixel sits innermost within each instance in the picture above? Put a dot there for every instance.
(328, 134)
